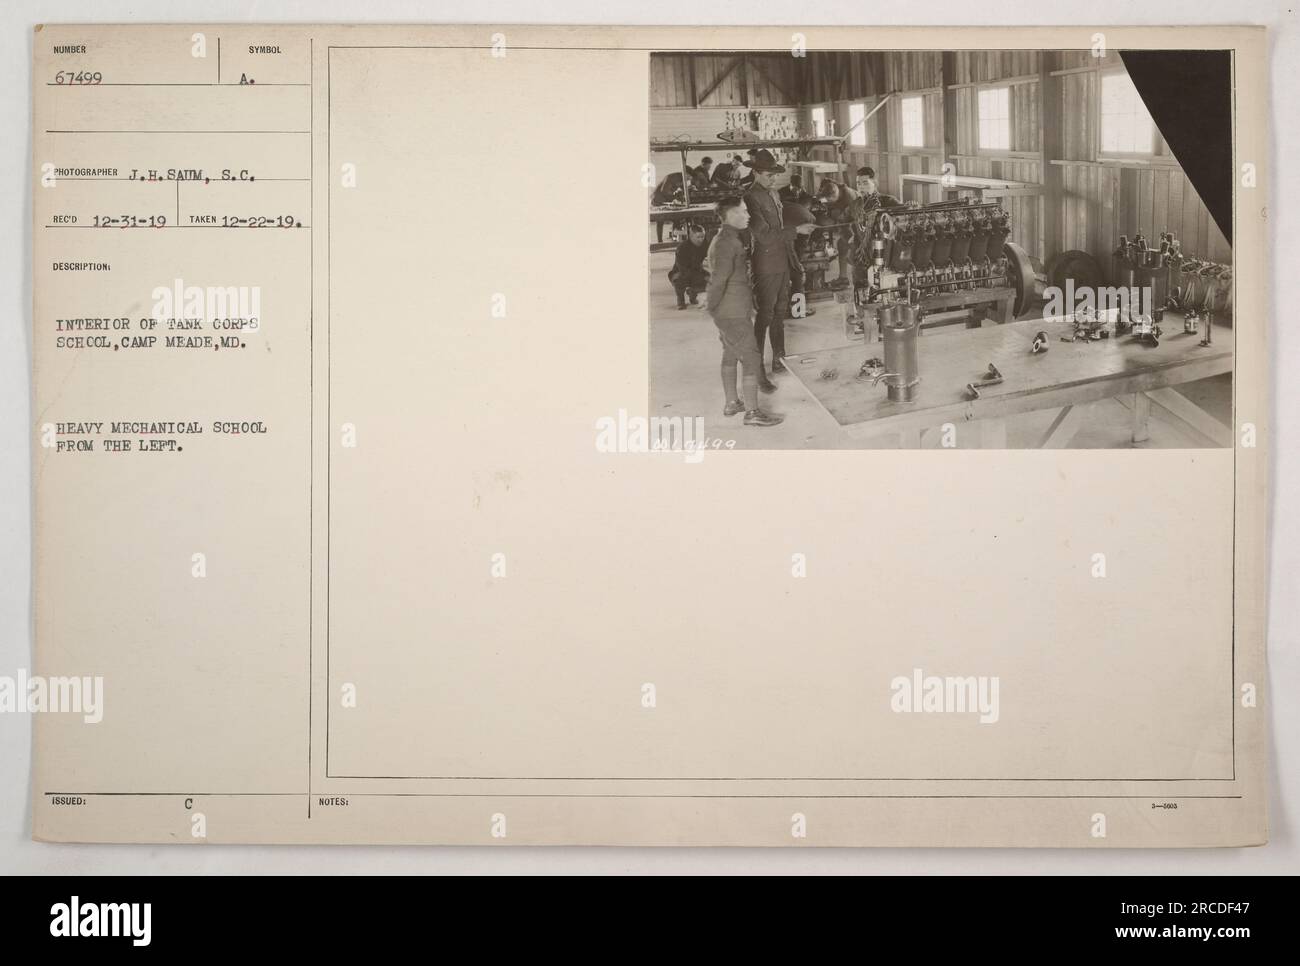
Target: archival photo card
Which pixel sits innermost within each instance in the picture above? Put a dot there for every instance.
(525, 435)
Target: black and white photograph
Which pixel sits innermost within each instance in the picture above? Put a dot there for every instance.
(943, 249)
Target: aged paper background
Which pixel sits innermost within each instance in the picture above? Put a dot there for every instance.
(521, 696)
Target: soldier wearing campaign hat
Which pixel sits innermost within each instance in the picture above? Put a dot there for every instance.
(769, 258)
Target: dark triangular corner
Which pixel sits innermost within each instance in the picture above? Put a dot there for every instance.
(1189, 96)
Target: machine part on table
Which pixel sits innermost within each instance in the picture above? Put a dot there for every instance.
(901, 329)
(1075, 265)
(1087, 325)
(901, 324)
(1139, 267)
(1040, 343)
(870, 367)
(1216, 278)
(1026, 275)
(1146, 330)
(1197, 287)
(915, 254)
(1123, 271)
(992, 377)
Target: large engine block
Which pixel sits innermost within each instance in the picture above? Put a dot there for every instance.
(910, 253)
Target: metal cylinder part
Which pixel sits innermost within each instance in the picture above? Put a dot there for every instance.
(1124, 274)
(921, 252)
(942, 250)
(1152, 278)
(901, 327)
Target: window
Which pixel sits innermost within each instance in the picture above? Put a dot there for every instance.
(995, 119)
(913, 122)
(858, 135)
(1126, 127)
(819, 122)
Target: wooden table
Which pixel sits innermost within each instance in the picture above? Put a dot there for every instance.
(706, 215)
(1066, 378)
(683, 213)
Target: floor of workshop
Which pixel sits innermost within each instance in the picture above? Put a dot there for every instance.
(684, 381)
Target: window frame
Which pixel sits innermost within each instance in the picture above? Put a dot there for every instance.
(1153, 153)
(902, 120)
(858, 137)
(980, 147)
(812, 119)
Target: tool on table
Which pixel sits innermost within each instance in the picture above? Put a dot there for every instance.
(1217, 277)
(1087, 326)
(1040, 343)
(1198, 305)
(1146, 329)
(870, 366)
(991, 378)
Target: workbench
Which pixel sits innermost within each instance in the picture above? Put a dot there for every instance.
(1067, 377)
(706, 215)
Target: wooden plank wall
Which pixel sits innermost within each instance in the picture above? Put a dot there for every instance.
(1093, 201)
(1101, 202)
(768, 80)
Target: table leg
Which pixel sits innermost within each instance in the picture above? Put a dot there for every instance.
(1182, 408)
(1063, 428)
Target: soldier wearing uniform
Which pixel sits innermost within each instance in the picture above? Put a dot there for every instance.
(769, 258)
(730, 301)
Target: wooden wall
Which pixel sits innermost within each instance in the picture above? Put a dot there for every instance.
(1099, 202)
(757, 80)
(1088, 201)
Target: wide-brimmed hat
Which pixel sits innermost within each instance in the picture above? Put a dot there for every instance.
(764, 162)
